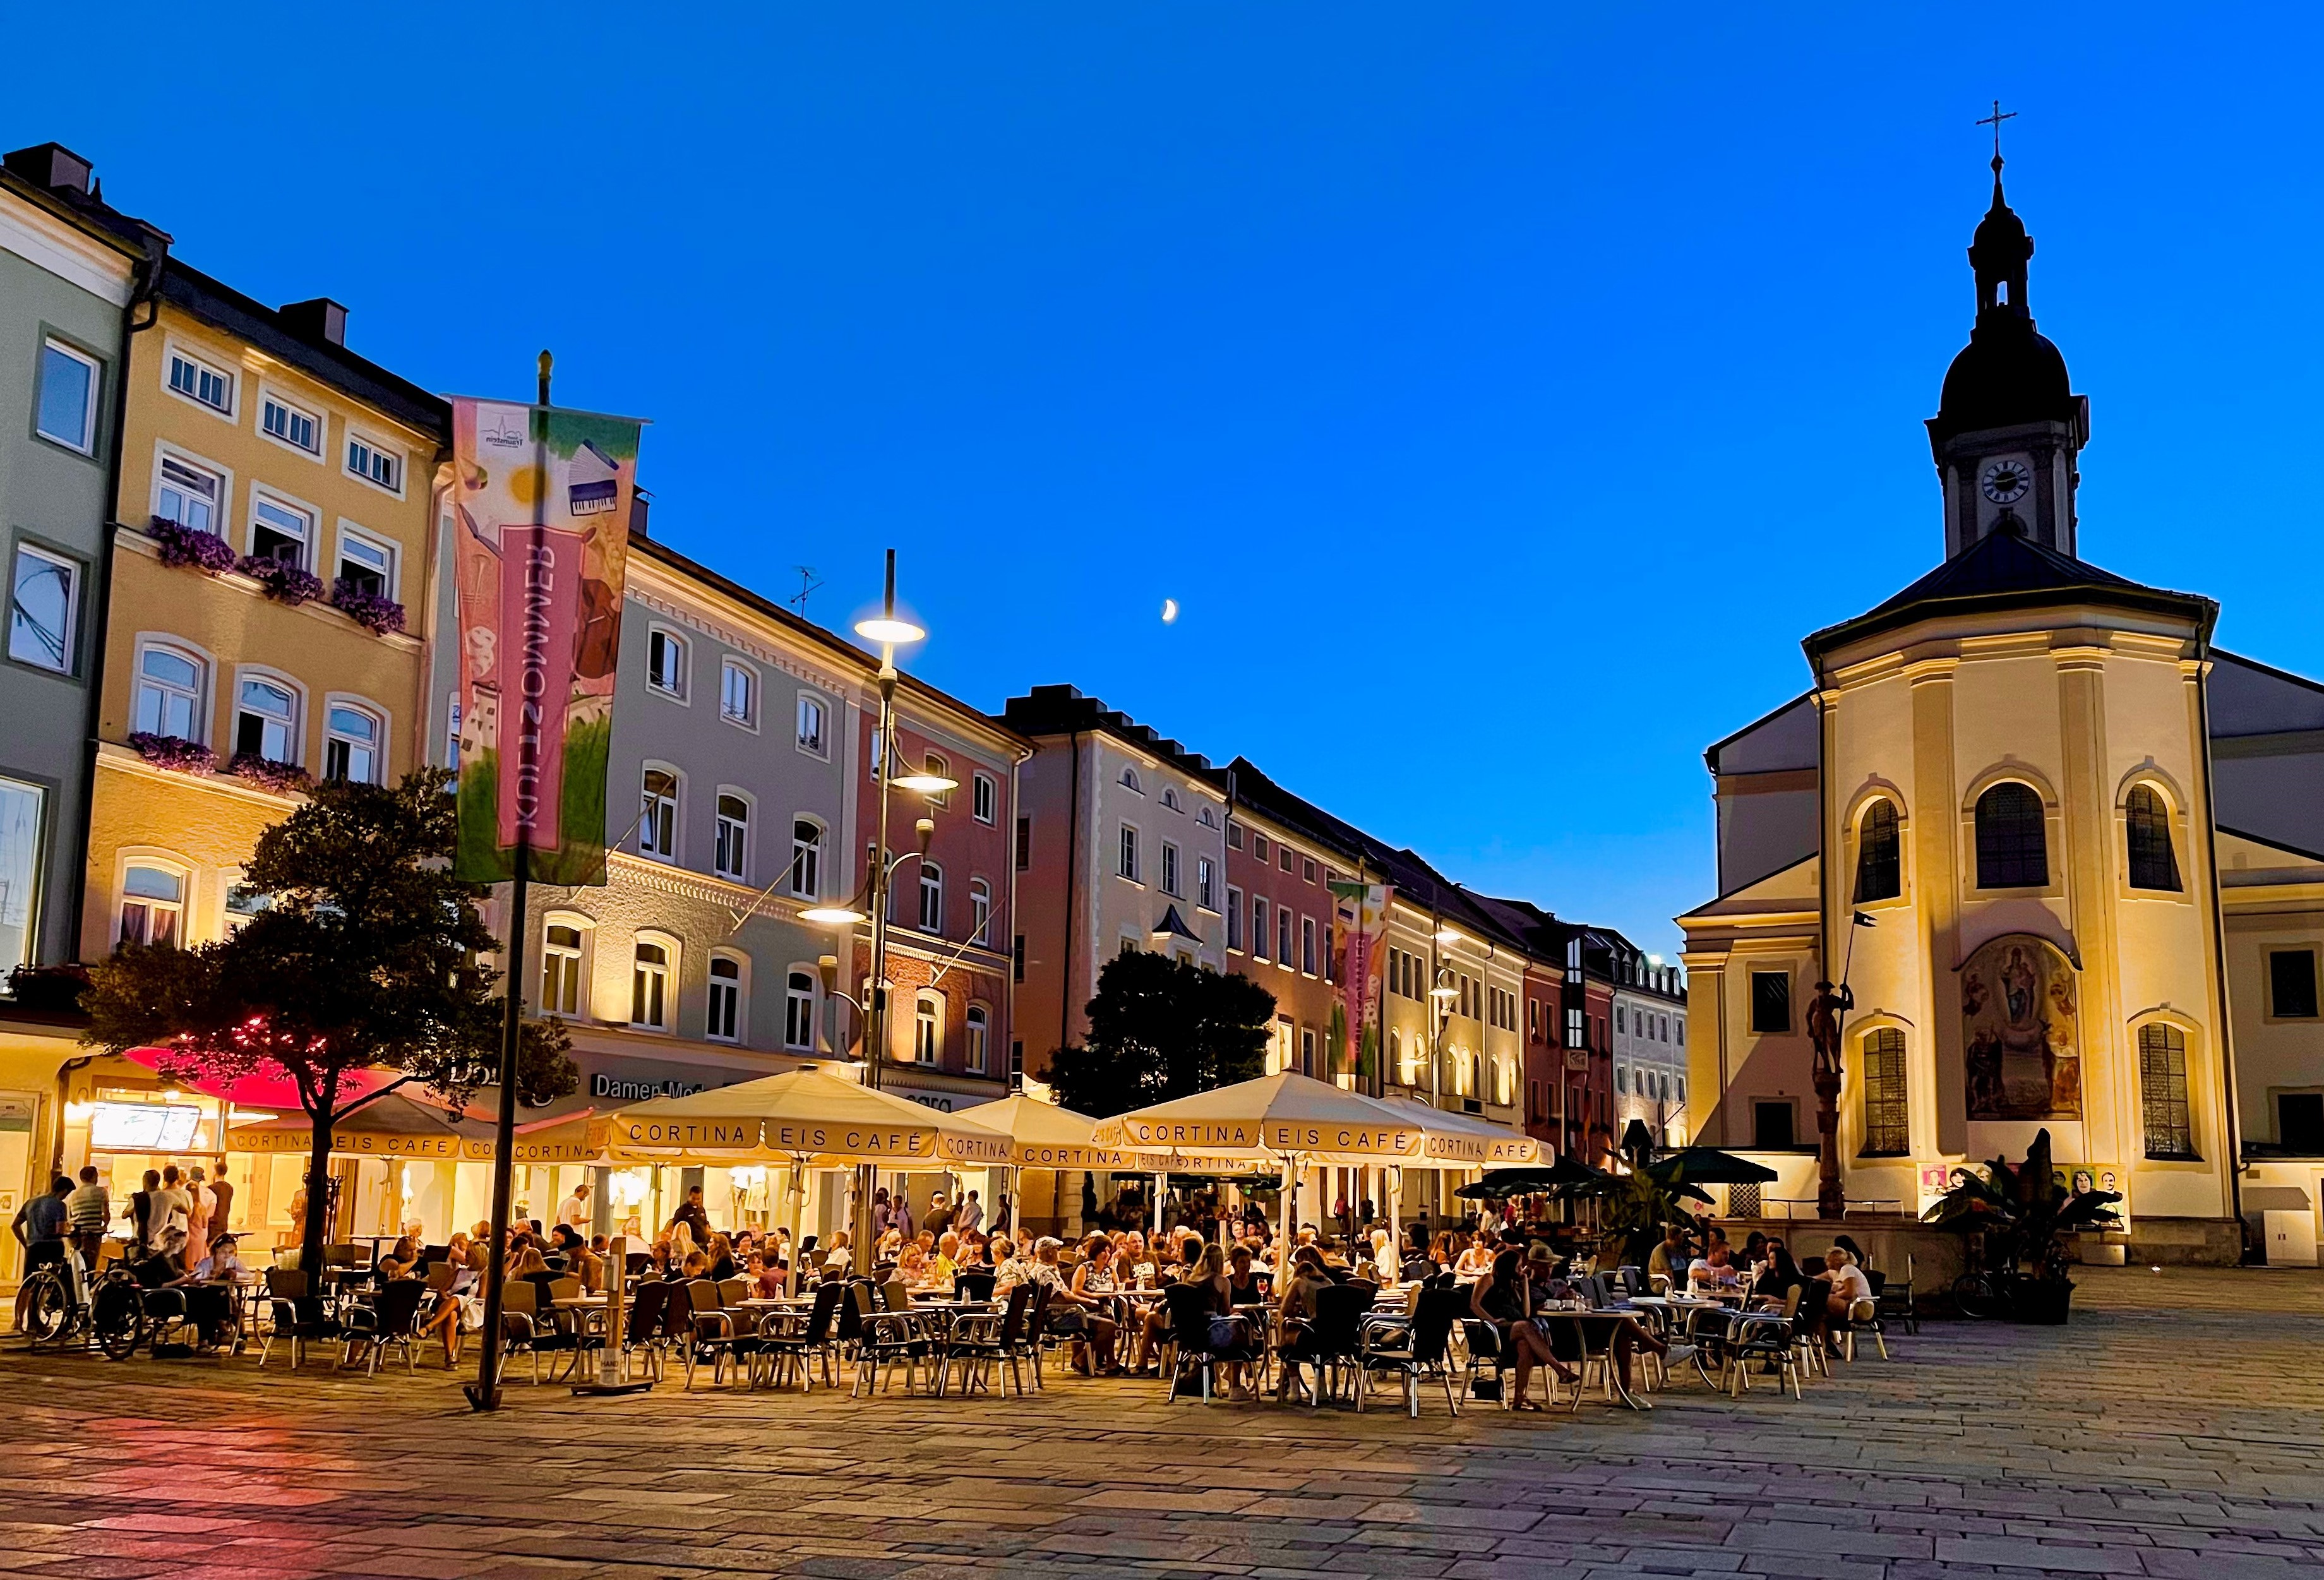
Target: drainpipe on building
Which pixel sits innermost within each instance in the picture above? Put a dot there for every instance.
(2232, 1116)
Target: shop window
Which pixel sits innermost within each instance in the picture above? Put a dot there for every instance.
(2153, 864)
(1886, 1131)
(2163, 1092)
(153, 905)
(2011, 848)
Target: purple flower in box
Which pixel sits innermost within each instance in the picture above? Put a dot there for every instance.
(373, 610)
(184, 545)
(173, 752)
(282, 580)
(281, 778)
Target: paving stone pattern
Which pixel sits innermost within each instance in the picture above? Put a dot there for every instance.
(2173, 1430)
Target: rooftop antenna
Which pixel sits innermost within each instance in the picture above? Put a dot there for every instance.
(808, 584)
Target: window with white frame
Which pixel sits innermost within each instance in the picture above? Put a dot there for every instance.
(1259, 935)
(153, 905)
(351, 746)
(651, 998)
(1307, 945)
(985, 801)
(928, 1027)
(798, 1010)
(243, 903)
(560, 969)
(279, 531)
(169, 693)
(365, 564)
(375, 464)
(42, 594)
(20, 808)
(1234, 918)
(937, 765)
(979, 910)
(733, 842)
(266, 720)
(1283, 956)
(738, 693)
(658, 816)
(666, 662)
(1206, 884)
(806, 859)
(1205, 818)
(1169, 868)
(301, 429)
(723, 1021)
(1129, 781)
(68, 399)
(1170, 797)
(1126, 864)
(877, 758)
(931, 897)
(980, 1039)
(198, 382)
(810, 725)
(188, 495)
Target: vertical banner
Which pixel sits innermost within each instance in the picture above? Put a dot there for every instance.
(1359, 929)
(541, 497)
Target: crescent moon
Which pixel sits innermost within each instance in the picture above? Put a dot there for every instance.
(1169, 610)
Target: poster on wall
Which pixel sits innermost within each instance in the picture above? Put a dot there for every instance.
(540, 497)
(2021, 1030)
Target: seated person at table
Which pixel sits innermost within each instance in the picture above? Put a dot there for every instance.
(1629, 1335)
(694, 1266)
(1230, 1335)
(585, 1264)
(1138, 1269)
(1475, 1260)
(944, 1267)
(1093, 1282)
(209, 1291)
(1847, 1293)
(766, 1282)
(1755, 1251)
(1244, 1287)
(1075, 1315)
(1297, 1308)
(1711, 1274)
(1384, 1260)
(719, 1251)
(1669, 1260)
(840, 1253)
(912, 1268)
(1776, 1277)
(1504, 1298)
(401, 1261)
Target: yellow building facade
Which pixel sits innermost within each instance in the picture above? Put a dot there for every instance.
(273, 542)
(2058, 846)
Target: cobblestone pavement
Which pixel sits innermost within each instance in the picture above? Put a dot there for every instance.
(2173, 1430)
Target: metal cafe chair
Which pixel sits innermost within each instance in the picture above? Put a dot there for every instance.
(980, 1341)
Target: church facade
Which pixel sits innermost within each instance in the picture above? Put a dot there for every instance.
(2066, 853)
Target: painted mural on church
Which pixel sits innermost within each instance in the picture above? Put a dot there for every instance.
(2020, 1029)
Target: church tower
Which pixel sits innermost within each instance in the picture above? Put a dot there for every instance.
(2008, 429)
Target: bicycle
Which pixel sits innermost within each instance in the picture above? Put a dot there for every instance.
(1980, 1294)
(111, 1316)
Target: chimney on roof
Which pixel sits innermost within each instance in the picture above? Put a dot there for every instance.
(52, 165)
(318, 322)
(640, 507)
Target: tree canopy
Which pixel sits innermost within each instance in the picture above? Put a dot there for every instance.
(1160, 1028)
(362, 953)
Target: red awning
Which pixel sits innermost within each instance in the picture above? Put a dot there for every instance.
(268, 1087)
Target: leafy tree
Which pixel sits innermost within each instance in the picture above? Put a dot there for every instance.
(363, 956)
(1160, 1028)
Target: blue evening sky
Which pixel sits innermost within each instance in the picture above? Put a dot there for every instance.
(1501, 394)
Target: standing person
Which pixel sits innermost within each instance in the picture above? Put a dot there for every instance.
(899, 1218)
(141, 1211)
(40, 1227)
(199, 1204)
(970, 1216)
(882, 1214)
(574, 1211)
(940, 1218)
(222, 1195)
(172, 1207)
(87, 1213)
(692, 1215)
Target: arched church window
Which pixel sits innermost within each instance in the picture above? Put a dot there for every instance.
(2163, 1091)
(1885, 1132)
(2153, 862)
(1880, 871)
(2011, 852)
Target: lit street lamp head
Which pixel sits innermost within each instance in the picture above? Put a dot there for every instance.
(832, 916)
(888, 630)
(926, 783)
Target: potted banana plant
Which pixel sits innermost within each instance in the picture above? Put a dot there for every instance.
(2016, 1218)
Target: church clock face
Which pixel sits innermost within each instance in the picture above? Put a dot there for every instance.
(2005, 481)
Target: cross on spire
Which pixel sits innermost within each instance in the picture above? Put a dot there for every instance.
(1994, 121)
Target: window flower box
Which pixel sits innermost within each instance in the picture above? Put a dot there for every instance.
(284, 582)
(49, 990)
(184, 545)
(373, 612)
(173, 752)
(283, 778)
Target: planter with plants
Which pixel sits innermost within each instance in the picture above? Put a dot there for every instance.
(183, 545)
(2016, 1220)
(374, 612)
(49, 990)
(173, 752)
(283, 778)
(283, 581)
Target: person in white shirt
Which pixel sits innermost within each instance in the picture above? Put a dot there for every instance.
(1846, 1288)
(970, 1217)
(1384, 1257)
(574, 1211)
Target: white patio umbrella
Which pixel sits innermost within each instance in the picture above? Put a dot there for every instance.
(1453, 1143)
(1288, 1117)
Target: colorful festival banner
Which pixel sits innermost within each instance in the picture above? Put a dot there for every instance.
(1359, 930)
(542, 498)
